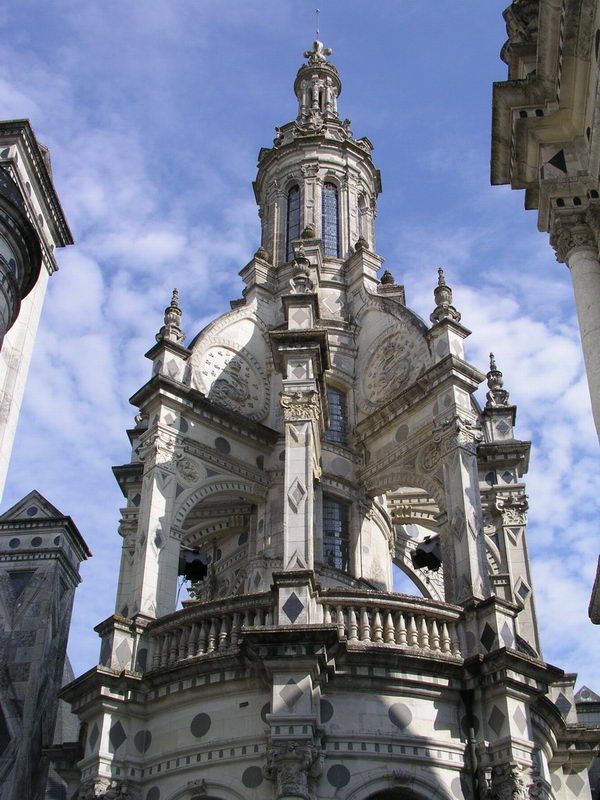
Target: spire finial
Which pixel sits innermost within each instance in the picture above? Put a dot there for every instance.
(171, 330)
(496, 396)
(318, 53)
(442, 295)
(317, 12)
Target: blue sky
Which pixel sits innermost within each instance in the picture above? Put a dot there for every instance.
(155, 111)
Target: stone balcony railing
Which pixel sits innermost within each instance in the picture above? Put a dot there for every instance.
(412, 623)
(214, 627)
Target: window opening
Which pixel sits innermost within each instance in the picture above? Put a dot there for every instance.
(329, 219)
(293, 220)
(336, 536)
(338, 416)
(362, 217)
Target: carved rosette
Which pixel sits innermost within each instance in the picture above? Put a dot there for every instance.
(187, 468)
(457, 432)
(300, 406)
(292, 765)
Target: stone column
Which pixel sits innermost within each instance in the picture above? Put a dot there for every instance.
(576, 245)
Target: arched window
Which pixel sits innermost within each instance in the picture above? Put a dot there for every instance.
(338, 416)
(362, 217)
(292, 230)
(329, 220)
(336, 533)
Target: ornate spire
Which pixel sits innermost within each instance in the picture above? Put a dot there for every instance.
(497, 396)
(442, 295)
(171, 330)
(318, 53)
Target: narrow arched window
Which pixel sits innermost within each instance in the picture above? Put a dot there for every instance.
(336, 533)
(338, 416)
(292, 230)
(329, 219)
(362, 217)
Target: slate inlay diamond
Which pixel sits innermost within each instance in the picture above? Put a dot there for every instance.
(496, 720)
(291, 693)
(117, 735)
(293, 607)
(95, 733)
(563, 705)
(575, 783)
(523, 591)
(503, 427)
(488, 637)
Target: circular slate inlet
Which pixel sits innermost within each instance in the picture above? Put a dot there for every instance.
(252, 777)
(400, 715)
(338, 776)
(200, 725)
(326, 711)
(266, 709)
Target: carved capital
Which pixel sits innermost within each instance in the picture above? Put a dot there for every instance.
(292, 765)
(505, 782)
(513, 509)
(299, 406)
(157, 448)
(572, 232)
(457, 432)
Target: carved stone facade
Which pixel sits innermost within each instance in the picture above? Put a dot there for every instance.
(305, 442)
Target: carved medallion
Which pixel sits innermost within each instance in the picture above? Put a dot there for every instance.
(392, 363)
(232, 377)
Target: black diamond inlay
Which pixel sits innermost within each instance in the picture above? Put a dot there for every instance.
(117, 735)
(563, 705)
(507, 635)
(496, 720)
(293, 607)
(488, 637)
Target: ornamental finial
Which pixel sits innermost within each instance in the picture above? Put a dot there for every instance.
(171, 330)
(318, 54)
(442, 295)
(497, 396)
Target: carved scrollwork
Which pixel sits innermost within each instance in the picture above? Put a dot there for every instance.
(513, 509)
(299, 406)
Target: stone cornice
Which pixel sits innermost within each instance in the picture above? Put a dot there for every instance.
(210, 412)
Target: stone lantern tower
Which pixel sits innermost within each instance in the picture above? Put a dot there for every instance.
(284, 461)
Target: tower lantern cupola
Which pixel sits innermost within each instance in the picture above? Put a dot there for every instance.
(317, 181)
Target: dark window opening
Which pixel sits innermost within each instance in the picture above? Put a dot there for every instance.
(336, 534)
(338, 416)
(329, 219)
(293, 221)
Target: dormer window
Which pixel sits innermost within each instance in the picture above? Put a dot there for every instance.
(292, 230)
(329, 220)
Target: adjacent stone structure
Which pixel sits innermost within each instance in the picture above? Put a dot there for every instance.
(40, 553)
(32, 226)
(301, 445)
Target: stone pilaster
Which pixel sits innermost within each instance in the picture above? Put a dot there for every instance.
(465, 570)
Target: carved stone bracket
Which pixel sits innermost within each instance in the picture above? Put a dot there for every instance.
(457, 432)
(298, 406)
(292, 765)
(513, 509)
(106, 789)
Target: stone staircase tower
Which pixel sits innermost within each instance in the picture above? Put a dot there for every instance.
(302, 444)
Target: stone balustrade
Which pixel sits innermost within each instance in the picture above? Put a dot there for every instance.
(201, 629)
(364, 618)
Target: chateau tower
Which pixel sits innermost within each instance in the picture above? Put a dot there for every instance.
(302, 444)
